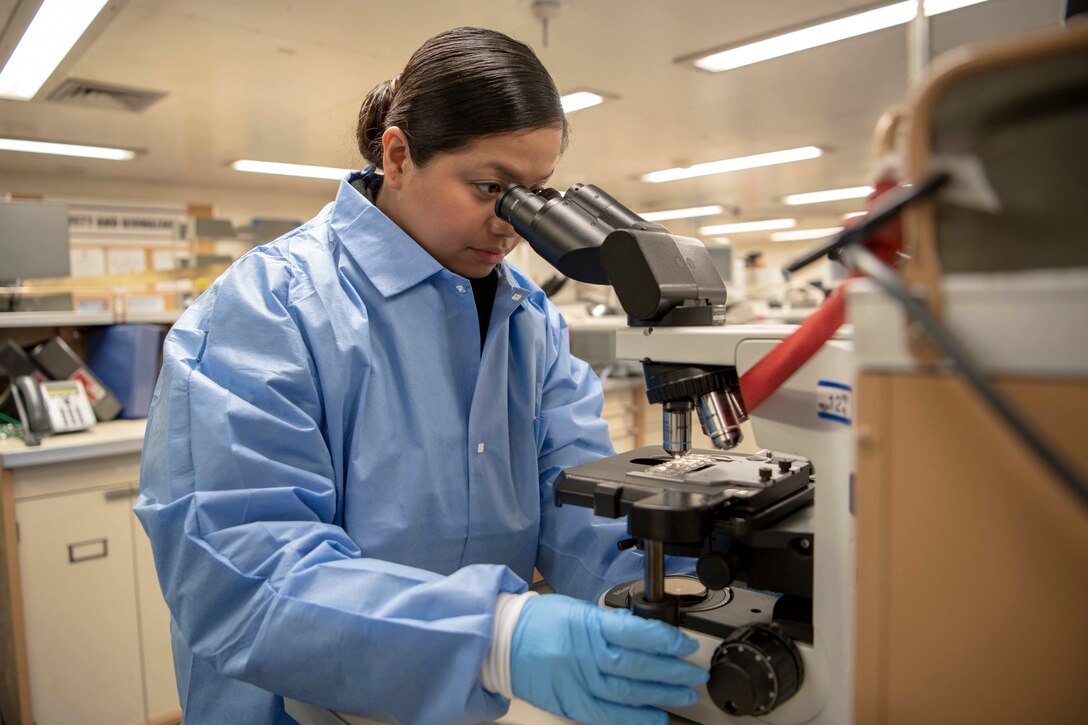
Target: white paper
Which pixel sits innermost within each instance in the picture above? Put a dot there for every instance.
(164, 260)
(146, 303)
(126, 260)
(87, 261)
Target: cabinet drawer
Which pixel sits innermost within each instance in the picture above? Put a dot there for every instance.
(79, 594)
(58, 478)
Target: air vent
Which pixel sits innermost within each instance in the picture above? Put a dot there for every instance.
(104, 95)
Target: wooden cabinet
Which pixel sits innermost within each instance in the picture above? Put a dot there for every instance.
(83, 598)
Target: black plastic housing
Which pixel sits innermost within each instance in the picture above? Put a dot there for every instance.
(660, 278)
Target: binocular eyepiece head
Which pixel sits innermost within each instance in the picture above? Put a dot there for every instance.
(568, 229)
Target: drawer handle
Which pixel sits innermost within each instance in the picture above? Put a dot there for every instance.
(116, 493)
(88, 550)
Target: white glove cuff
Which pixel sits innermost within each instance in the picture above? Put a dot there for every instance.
(495, 673)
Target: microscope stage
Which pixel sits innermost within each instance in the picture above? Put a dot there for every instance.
(715, 481)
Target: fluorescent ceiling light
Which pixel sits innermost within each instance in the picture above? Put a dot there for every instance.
(694, 211)
(580, 99)
(936, 7)
(854, 215)
(273, 167)
(741, 227)
(66, 149)
(799, 234)
(816, 197)
(824, 34)
(56, 27)
(726, 165)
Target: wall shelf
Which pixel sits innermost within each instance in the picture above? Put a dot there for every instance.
(85, 319)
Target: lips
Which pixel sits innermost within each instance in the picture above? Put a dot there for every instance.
(491, 256)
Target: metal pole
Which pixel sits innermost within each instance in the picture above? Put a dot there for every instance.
(918, 50)
(654, 576)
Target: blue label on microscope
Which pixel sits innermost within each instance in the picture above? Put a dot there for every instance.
(835, 401)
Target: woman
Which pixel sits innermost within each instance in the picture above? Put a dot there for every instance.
(347, 475)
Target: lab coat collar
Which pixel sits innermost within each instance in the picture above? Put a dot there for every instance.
(390, 258)
(508, 287)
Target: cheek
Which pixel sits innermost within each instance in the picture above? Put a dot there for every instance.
(460, 217)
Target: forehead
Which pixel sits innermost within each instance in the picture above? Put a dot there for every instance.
(525, 157)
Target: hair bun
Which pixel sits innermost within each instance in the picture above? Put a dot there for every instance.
(372, 116)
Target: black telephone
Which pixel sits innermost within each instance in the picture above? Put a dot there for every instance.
(33, 414)
(55, 406)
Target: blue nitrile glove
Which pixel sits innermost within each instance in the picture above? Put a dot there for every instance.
(600, 666)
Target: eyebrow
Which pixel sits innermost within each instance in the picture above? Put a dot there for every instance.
(511, 174)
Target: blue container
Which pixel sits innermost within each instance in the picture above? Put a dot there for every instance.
(127, 359)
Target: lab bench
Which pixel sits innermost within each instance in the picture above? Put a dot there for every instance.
(84, 631)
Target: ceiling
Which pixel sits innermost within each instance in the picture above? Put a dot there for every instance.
(281, 80)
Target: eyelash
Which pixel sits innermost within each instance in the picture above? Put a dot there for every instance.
(494, 188)
(488, 188)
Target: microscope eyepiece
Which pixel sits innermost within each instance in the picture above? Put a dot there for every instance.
(558, 230)
(517, 205)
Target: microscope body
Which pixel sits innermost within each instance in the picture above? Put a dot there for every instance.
(772, 529)
(807, 422)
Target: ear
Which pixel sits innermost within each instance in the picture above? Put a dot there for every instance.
(396, 160)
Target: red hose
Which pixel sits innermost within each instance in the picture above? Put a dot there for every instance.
(776, 367)
(779, 364)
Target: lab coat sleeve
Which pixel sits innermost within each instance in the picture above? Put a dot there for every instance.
(239, 498)
(577, 553)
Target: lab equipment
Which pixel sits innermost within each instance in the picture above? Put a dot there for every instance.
(33, 240)
(60, 362)
(773, 614)
(953, 501)
(589, 664)
(126, 359)
(15, 362)
(33, 243)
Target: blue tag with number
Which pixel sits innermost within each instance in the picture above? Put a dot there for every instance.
(835, 401)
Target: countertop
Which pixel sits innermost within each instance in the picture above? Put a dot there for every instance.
(104, 439)
(127, 436)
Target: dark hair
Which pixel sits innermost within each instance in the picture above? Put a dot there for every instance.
(459, 86)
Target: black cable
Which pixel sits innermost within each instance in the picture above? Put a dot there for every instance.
(891, 205)
(861, 259)
(551, 286)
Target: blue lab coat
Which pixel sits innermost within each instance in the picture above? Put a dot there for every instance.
(337, 484)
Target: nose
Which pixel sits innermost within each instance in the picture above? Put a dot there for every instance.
(502, 228)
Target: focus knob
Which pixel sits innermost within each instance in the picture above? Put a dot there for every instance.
(755, 670)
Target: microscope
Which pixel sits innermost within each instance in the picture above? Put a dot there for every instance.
(772, 612)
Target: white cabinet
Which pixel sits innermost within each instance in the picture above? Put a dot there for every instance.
(95, 626)
(79, 595)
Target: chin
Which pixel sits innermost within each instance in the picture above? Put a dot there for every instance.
(473, 271)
